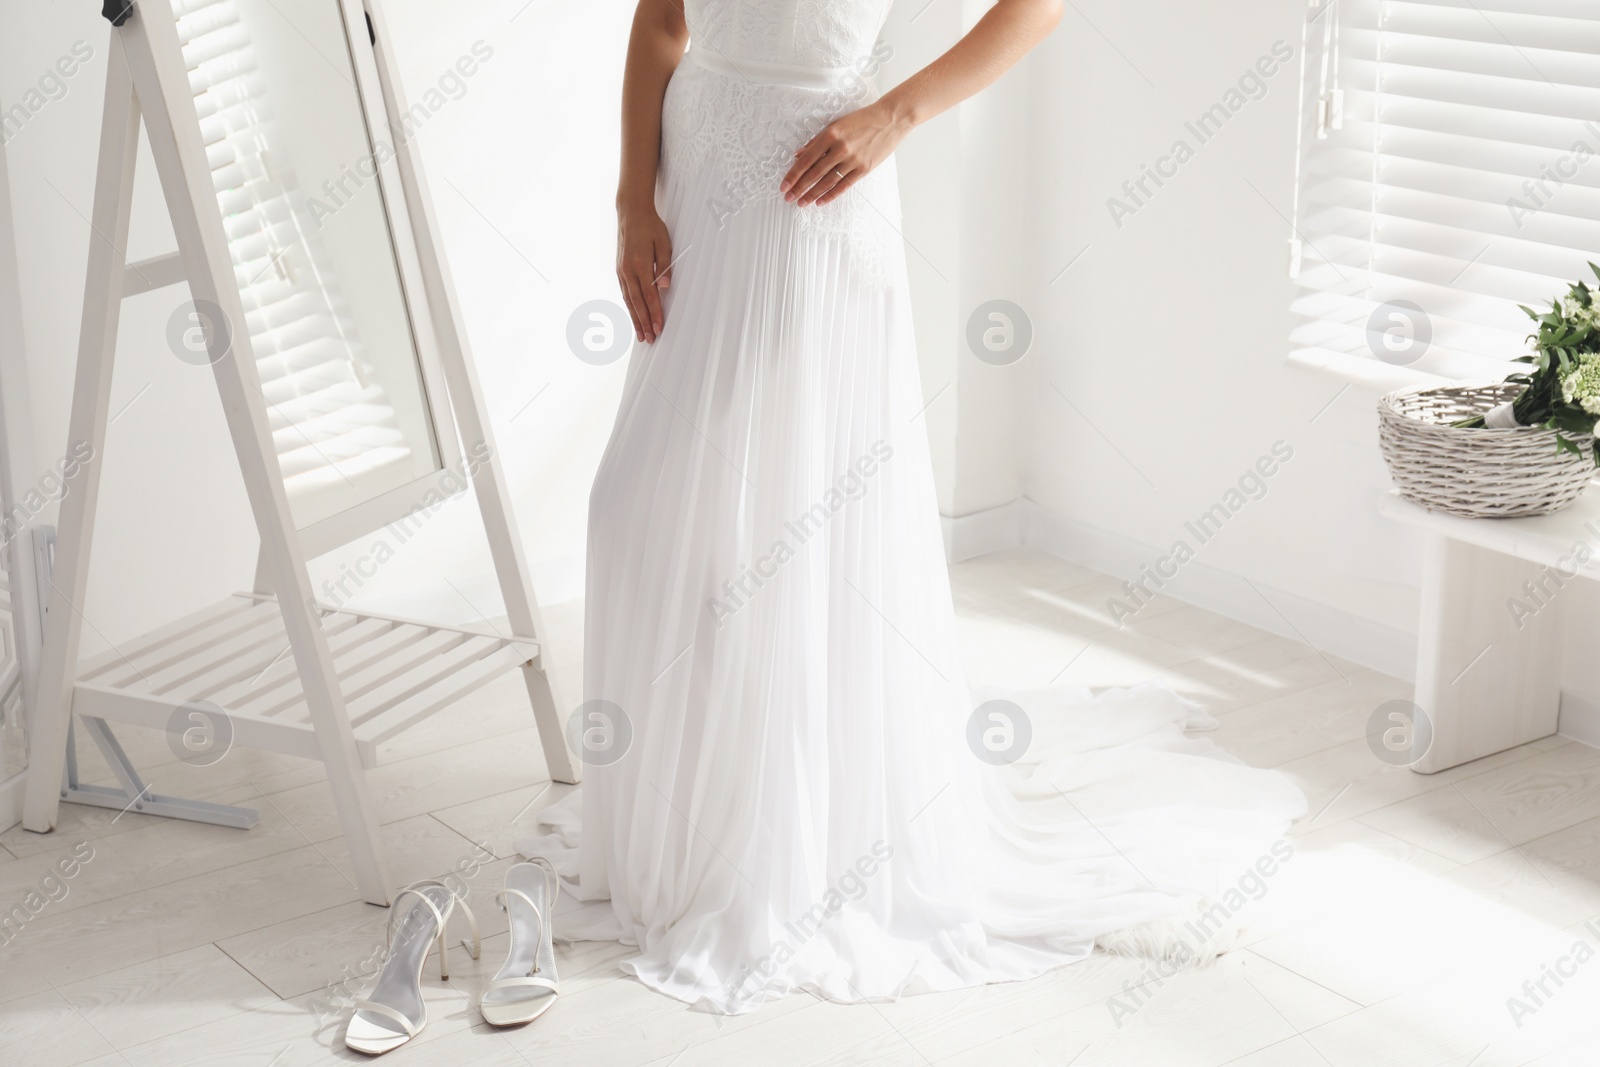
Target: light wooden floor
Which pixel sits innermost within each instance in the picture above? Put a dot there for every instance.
(1412, 909)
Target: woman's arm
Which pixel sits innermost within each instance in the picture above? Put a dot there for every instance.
(644, 248)
(848, 149)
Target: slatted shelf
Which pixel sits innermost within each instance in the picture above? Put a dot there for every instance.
(235, 654)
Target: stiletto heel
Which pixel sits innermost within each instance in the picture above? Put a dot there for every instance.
(394, 1012)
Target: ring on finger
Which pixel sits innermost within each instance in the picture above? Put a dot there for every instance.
(823, 184)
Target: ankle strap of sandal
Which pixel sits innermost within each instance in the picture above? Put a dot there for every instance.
(416, 889)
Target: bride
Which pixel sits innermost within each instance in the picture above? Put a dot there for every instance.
(789, 785)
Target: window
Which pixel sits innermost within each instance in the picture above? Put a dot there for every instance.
(1448, 169)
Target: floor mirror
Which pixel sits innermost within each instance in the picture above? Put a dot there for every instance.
(320, 297)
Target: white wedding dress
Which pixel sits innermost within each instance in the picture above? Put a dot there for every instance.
(785, 791)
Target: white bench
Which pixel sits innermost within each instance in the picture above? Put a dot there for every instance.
(1489, 670)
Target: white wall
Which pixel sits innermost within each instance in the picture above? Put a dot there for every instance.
(964, 185)
(929, 166)
(1168, 336)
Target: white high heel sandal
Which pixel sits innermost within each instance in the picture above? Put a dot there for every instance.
(525, 987)
(394, 1012)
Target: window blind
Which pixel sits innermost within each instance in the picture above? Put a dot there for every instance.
(1448, 169)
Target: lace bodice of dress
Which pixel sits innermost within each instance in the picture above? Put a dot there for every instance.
(803, 33)
(736, 133)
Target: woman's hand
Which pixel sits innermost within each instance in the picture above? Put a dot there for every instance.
(644, 267)
(843, 153)
(847, 150)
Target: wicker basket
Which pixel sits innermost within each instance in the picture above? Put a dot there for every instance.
(1481, 473)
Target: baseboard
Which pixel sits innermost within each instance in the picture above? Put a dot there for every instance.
(1026, 524)
(983, 532)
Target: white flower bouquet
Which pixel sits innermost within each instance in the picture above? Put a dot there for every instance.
(1561, 390)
